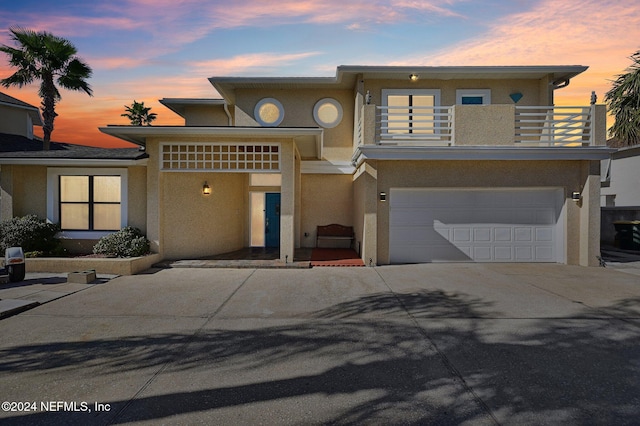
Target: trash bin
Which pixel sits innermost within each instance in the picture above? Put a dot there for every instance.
(14, 263)
(628, 234)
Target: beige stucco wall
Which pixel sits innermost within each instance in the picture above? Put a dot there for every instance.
(298, 112)
(137, 202)
(570, 175)
(30, 191)
(484, 124)
(15, 121)
(326, 199)
(205, 115)
(6, 191)
(197, 225)
(500, 89)
(365, 207)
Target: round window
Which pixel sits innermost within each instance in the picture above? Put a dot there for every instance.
(269, 112)
(327, 112)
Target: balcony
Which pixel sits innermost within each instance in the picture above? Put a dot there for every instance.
(482, 125)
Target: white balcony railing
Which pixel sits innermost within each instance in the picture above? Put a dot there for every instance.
(442, 126)
(414, 125)
(554, 125)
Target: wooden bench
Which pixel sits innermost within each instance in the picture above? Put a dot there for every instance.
(335, 232)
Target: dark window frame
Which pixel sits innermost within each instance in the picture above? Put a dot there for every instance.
(90, 203)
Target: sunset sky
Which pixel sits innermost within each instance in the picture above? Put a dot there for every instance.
(146, 50)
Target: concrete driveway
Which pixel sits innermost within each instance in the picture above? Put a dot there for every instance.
(415, 344)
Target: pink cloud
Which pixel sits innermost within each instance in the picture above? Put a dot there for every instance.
(242, 63)
(263, 12)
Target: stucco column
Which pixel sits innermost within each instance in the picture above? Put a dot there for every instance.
(366, 213)
(298, 200)
(154, 210)
(287, 202)
(6, 192)
(590, 220)
(368, 125)
(599, 124)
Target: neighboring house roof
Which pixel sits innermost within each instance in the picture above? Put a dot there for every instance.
(626, 152)
(16, 149)
(34, 112)
(346, 76)
(619, 143)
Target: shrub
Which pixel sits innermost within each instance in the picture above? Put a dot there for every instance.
(30, 233)
(127, 242)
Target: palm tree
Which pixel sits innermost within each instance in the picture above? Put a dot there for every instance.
(624, 103)
(138, 114)
(41, 56)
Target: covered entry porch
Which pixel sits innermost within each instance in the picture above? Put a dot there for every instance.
(235, 165)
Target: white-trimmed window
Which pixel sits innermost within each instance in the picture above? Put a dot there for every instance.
(87, 203)
(328, 113)
(473, 96)
(269, 112)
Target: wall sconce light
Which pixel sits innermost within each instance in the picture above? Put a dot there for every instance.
(413, 77)
(575, 196)
(383, 196)
(206, 189)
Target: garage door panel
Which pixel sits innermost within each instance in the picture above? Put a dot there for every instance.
(523, 234)
(422, 254)
(462, 235)
(413, 235)
(545, 217)
(503, 253)
(544, 253)
(482, 234)
(412, 217)
(482, 253)
(524, 254)
(503, 234)
(478, 225)
(544, 234)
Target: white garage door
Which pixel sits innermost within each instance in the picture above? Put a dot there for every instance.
(498, 225)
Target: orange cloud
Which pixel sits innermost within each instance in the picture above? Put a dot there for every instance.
(558, 32)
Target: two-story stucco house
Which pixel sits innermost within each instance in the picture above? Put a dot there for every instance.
(427, 164)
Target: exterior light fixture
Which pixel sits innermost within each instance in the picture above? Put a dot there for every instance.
(383, 196)
(413, 77)
(575, 196)
(206, 189)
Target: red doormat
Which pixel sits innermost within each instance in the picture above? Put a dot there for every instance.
(335, 257)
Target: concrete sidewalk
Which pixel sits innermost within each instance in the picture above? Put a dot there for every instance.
(39, 288)
(413, 344)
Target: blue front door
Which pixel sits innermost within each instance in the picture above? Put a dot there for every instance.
(272, 220)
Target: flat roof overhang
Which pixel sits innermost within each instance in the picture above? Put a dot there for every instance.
(307, 139)
(179, 105)
(75, 162)
(347, 75)
(377, 152)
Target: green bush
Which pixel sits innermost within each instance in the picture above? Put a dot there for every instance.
(127, 242)
(30, 233)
